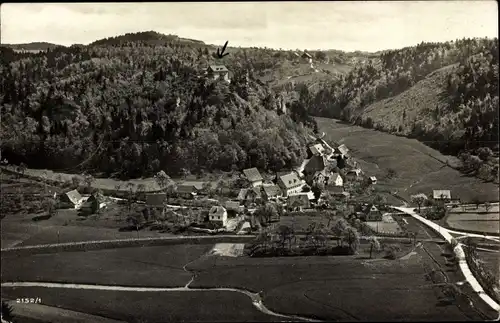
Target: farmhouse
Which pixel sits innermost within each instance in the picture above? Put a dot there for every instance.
(253, 175)
(218, 214)
(187, 191)
(290, 184)
(71, 199)
(250, 195)
(315, 150)
(298, 202)
(271, 192)
(373, 180)
(371, 213)
(315, 164)
(218, 71)
(336, 180)
(443, 195)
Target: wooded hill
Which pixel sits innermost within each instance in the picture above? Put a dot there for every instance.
(138, 103)
(444, 94)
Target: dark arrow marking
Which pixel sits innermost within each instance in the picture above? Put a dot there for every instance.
(221, 54)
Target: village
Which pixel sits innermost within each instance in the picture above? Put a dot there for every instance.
(329, 180)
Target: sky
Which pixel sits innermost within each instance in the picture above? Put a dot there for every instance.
(357, 25)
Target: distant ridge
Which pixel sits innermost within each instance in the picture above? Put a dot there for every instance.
(35, 46)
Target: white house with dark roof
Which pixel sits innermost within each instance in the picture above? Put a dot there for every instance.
(343, 150)
(218, 214)
(253, 175)
(218, 71)
(290, 183)
(336, 179)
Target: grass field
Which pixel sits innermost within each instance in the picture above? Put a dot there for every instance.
(480, 222)
(149, 307)
(419, 168)
(330, 288)
(151, 266)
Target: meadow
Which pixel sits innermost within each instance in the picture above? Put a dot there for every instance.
(474, 222)
(418, 168)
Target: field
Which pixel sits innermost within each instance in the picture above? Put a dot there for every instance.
(329, 288)
(148, 307)
(418, 168)
(477, 222)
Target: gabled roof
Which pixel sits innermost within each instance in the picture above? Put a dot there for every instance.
(217, 210)
(257, 191)
(156, 199)
(290, 180)
(252, 174)
(370, 208)
(272, 191)
(306, 55)
(316, 149)
(373, 178)
(315, 163)
(334, 176)
(198, 185)
(242, 195)
(343, 149)
(73, 196)
(218, 68)
(438, 194)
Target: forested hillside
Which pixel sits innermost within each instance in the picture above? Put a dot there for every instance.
(445, 94)
(136, 104)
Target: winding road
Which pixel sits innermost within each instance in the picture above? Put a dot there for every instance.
(459, 252)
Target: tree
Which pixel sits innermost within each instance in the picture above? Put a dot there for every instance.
(391, 173)
(379, 199)
(49, 205)
(89, 180)
(135, 219)
(162, 179)
(477, 201)
(285, 234)
(484, 153)
(339, 228)
(418, 199)
(351, 235)
(330, 216)
(141, 190)
(487, 206)
(374, 245)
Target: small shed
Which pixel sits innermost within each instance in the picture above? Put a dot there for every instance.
(373, 180)
(218, 214)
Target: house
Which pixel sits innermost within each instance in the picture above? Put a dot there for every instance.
(354, 174)
(290, 184)
(371, 213)
(343, 150)
(186, 191)
(336, 191)
(218, 71)
(247, 196)
(271, 192)
(218, 215)
(373, 180)
(253, 175)
(441, 195)
(298, 202)
(71, 199)
(315, 164)
(315, 150)
(336, 180)
(95, 202)
(234, 207)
